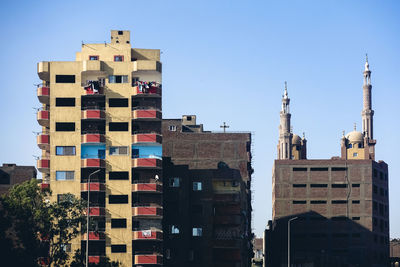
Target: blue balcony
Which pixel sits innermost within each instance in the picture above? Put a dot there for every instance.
(93, 151)
(146, 151)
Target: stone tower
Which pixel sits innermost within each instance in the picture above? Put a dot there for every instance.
(285, 135)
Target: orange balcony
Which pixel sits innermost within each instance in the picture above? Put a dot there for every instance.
(150, 211)
(43, 94)
(147, 187)
(152, 91)
(147, 235)
(93, 114)
(94, 236)
(94, 259)
(146, 138)
(43, 117)
(146, 114)
(93, 163)
(43, 141)
(147, 163)
(148, 259)
(94, 187)
(93, 138)
(96, 211)
(43, 165)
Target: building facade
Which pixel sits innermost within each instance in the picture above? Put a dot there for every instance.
(337, 209)
(11, 174)
(207, 197)
(101, 139)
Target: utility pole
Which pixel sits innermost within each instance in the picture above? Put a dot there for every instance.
(288, 242)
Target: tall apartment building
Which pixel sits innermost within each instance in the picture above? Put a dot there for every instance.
(101, 139)
(11, 174)
(340, 205)
(207, 197)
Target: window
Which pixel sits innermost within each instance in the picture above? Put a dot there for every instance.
(339, 218)
(355, 218)
(197, 186)
(381, 192)
(93, 57)
(174, 182)
(118, 58)
(339, 168)
(355, 185)
(349, 145)
(118, 248)
(4, 177)
(118, 223)
(66, 247)
(197, 231)
(318, 185)
(299, 202)
(339, 201)
(172, 128)
(299, 169)
(65, 175)
(299, 185)
(118, 150)
(118, 126)
(65, 102)
(118, 176)
(65, 150)
(339, 185)
(117, 102)
(355, 154)
(318, 201)
(118, 199)
(355, 201)
(65, 126)
(174, 230)
(375, 189)
(65, 78)
(319, 169)
(118, 78)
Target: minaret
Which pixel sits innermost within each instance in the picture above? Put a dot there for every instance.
(367, 112)
(285, 135)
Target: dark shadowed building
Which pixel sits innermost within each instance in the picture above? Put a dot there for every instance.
(339, 206)
(207, 197)
(11, 174)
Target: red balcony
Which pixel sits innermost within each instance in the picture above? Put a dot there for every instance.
(43, 141)
(146, 138)
(147, 187)
(94, 236)
(150, 211)
(93, 163)
(94, 259)
(152, 91)
(43, 94)
(43, 165)
(93, 114)
(44, 186)
(146, 114)
(148, 259)
(93, 138)
(94, 187)
(96, 211)
(147, 235)
(147, 163)
(43, 117)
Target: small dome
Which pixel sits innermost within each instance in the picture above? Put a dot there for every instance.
(355, 137)
(296, 140)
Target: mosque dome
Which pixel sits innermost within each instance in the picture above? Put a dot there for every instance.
(355, 137)
(296, 140)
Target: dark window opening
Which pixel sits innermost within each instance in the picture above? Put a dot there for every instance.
(355, 185)
(339, 201)
(97, 177)
(339, 218)
(118, 176)
(4, 177)
(339, 168)
(118, 126)
(120, 32)
(318, 201)
(117, 102)
(118, 223)
(318, 185)
(355, 218)
(355, 201)
(93, 57)
(65, 102)
(119, 58)
(118, 248)
(299, 185)
(65, 126)
(118, 199)
(339, 185)
(65, 78)
(319, 169)
(299, 202)
(299, 169)
(93, 127)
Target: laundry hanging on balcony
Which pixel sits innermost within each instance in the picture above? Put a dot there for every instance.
(147, 87)
(146, 233)
(92, 87)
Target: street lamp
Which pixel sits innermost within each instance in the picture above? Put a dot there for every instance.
(288, 245)
(87, 219)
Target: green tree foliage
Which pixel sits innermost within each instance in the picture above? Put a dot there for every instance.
(32, 227)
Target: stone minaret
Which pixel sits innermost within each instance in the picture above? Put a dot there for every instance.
(367, 112)
(285, 135)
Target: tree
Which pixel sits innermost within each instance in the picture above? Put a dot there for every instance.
(32, 227)
(79, 261)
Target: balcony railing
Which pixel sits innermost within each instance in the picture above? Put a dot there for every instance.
(96, 211)
(43, 141)
(43, 118)
(93, 186)
(93, 138)
(148, 259)
(93, 163)
(147, 210)
(94, 236)
(43, 94)
(151, 89)
(93, 114)
(147, 187)
(151, 234)
(147, 163)
(138, 138)
(43, 165)
(94, 259)
(146, 113)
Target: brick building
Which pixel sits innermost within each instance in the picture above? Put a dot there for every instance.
(338, 208)
(395, 252)
(207, 197)
(11, 174)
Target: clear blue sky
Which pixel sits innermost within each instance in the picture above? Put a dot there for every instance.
(225, 61)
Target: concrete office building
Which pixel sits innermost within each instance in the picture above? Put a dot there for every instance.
(207, 197)
(341, 204)
(101, 132)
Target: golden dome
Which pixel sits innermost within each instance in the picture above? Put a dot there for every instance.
(355, 137)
